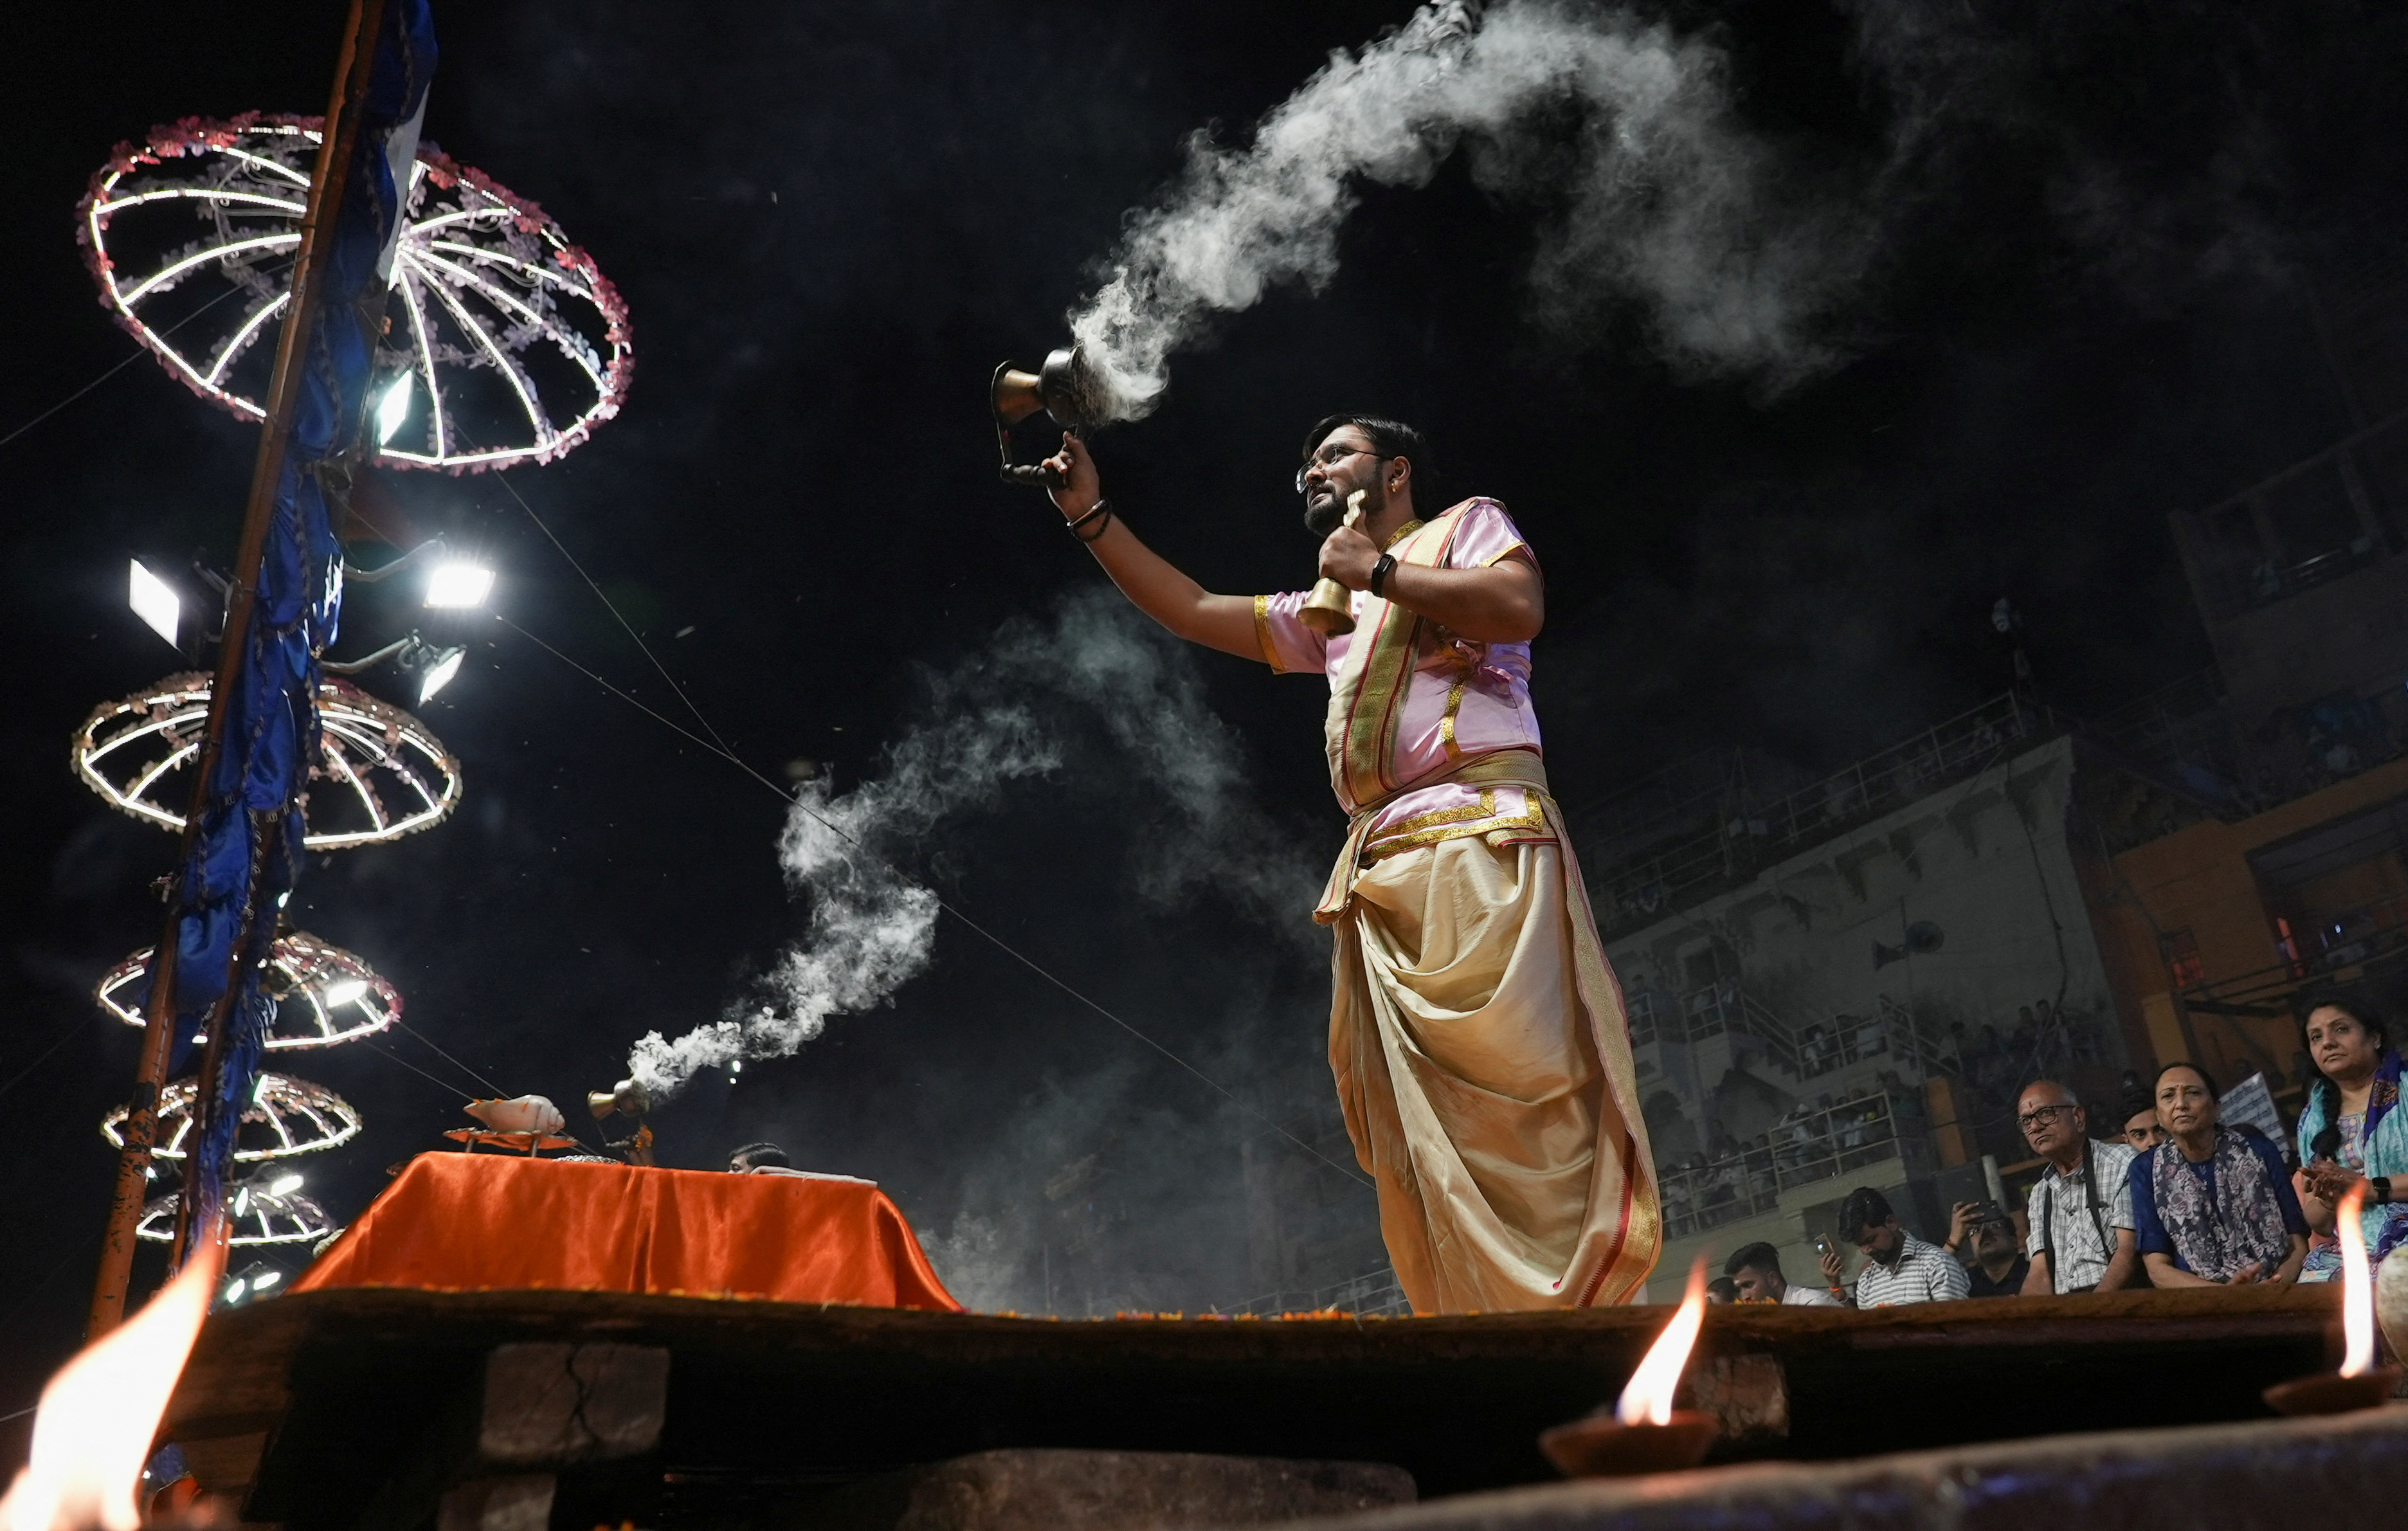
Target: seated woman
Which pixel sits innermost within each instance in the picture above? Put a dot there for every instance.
(2351, 1130)
(2212, 1207)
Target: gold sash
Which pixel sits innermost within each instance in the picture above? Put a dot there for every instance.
(1505, 767)
(1366, 698)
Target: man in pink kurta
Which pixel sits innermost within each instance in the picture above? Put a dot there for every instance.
(1476, 1033)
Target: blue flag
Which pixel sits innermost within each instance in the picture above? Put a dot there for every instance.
(248, 850)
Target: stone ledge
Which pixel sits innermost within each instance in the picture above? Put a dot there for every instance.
(2347, 1473)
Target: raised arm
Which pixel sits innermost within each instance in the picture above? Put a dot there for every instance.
(1149, 581)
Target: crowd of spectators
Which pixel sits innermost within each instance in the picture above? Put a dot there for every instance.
(2172, 1195)
(1815, 1140)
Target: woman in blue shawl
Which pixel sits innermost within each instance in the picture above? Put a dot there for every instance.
(2352, 1128)
(2212, 1207)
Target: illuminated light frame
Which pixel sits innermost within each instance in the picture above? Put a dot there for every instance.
(363, 736)
(307, 967)
(256, 1225)
(455, 246)
(325, 1119)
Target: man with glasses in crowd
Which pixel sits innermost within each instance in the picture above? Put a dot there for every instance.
(1477, 1036)
(2079, 1211)
(1997, 1267)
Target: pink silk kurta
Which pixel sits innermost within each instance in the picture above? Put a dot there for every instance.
(1476, 1033)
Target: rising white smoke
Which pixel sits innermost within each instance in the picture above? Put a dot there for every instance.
(1669, 208)
(997, 718)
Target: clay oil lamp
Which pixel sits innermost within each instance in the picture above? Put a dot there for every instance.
(2360, 1383)
(1643, 1432)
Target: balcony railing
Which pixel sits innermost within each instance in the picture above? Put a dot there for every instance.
(1808, 1052)
(1636, 891)
(1801, 1149)
(1374, 1294)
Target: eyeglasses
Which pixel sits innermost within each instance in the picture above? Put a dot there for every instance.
(1330, 457)
(2040, 1116)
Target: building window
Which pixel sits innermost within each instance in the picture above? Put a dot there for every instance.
(2183, 961)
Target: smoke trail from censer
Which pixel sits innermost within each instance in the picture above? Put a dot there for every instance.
(999, 718)
(1669, 208)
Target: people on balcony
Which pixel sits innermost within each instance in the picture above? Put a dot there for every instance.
(2213, 1206)
(2352, 1130)
(2081, 1208)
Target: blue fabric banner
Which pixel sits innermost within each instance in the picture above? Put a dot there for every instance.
(248, 851)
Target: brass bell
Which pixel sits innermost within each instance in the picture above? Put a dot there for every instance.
(1330, 610)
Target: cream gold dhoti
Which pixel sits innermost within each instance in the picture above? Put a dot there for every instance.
(1480, 1050)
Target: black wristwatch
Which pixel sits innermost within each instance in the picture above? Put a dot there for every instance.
(2381, 1186)
(1381, 571)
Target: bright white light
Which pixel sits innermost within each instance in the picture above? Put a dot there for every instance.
(284, 1186)
(392, 408)
(236, 1288)
(440, 674)
(459, 584)
(342, 991)
(736, 1065)
(153, 600)
(265, 1279)
(242, 1201)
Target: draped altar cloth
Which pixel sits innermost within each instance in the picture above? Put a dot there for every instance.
(481, 1221)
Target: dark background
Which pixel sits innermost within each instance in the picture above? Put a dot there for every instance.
(2098, 227)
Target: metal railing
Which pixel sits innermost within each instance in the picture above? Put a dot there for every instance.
(1635, 892)
(1808, 1052)
(1801, 1149)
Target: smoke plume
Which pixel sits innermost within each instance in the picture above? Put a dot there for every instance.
(1669, 207)
(1094, 669)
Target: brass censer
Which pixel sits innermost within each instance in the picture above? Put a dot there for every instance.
(1066, 388)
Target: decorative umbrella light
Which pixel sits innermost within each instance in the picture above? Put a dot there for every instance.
(285, 1117)
(325, 995)
(507, 344)
(390, 776)
(254, 1215)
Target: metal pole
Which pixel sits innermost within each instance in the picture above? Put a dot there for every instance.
(341, 130)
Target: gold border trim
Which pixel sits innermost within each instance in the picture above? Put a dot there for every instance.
(1446, 723)
(1263, 634)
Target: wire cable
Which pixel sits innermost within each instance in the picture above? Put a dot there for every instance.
(448, 1058)
(139, 350)
(942, 902)
(72, 1033)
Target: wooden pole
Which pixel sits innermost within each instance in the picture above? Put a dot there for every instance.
(326, 201)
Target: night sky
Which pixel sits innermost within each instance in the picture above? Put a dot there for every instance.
(2089, 232)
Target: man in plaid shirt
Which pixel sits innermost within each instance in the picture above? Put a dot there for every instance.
(1900, 1268)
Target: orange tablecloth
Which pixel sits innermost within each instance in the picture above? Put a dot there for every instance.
(459, 1222)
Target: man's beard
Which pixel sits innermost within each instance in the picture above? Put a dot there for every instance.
(1321, 517)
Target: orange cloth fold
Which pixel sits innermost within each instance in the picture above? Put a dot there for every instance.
(467, 1222)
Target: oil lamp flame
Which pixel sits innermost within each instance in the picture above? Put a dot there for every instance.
(2356, 1286)
(99, 1413)
(1647, 1399)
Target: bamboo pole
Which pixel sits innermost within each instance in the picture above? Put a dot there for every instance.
(326, 201)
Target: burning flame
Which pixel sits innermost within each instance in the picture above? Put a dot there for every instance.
(2356, 1285)
(99, 1414)
(1647, 1398)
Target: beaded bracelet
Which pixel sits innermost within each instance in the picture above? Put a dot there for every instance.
(1101, 508)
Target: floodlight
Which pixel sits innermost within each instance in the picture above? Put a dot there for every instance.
(459, 583)
(242, 1201)
(439, 674)
(284, 1186)
(234, 1289)
(343, 992)
(392, 408)
(736, 1065)
(153, 600)
(265, 1279)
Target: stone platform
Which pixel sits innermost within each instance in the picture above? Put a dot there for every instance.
(362, 1406)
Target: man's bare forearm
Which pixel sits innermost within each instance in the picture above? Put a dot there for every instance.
(1160, 590)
